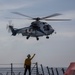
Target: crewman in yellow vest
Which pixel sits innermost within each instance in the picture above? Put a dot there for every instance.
(27, 64)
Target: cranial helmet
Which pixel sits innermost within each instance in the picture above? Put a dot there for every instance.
(28, 55)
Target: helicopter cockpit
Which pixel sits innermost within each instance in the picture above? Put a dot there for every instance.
(46, 26)
(34, 25)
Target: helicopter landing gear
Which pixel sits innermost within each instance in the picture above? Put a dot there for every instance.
(47, 37)
(37, 38)
(27, 37)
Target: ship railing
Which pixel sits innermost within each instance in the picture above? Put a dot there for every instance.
(36, 69)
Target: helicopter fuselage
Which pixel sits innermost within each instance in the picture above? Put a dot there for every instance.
(33, 29)
(36, 29)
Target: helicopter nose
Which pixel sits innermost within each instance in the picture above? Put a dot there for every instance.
(52, 31)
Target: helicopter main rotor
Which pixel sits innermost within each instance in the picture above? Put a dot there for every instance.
(43, 18)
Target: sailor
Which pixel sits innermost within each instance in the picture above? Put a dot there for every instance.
(27, 64)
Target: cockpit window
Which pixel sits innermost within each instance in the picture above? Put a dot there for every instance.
(44, 22)
(46, 27)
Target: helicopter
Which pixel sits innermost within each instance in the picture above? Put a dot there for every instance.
(37, 28)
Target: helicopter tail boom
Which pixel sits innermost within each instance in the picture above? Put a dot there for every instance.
(14, 32)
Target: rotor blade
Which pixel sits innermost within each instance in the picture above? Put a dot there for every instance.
(57, 19)
(7, 27)
(17, 18)
(10, 22)
(21, 14)
(53, 15)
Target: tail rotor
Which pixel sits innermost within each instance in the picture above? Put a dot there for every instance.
(8, 26)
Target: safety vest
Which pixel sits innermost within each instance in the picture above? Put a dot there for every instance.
(28, 61)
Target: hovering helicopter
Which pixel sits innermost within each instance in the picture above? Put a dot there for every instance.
(37, 27)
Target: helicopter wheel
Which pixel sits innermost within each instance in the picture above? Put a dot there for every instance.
(47, 37)
(27, 37)
(37, 38)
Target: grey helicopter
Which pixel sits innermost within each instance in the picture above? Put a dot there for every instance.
(37, 28)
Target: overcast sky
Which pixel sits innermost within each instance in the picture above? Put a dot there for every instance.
(57, 51)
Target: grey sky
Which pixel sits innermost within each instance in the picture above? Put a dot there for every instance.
(59, 50)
